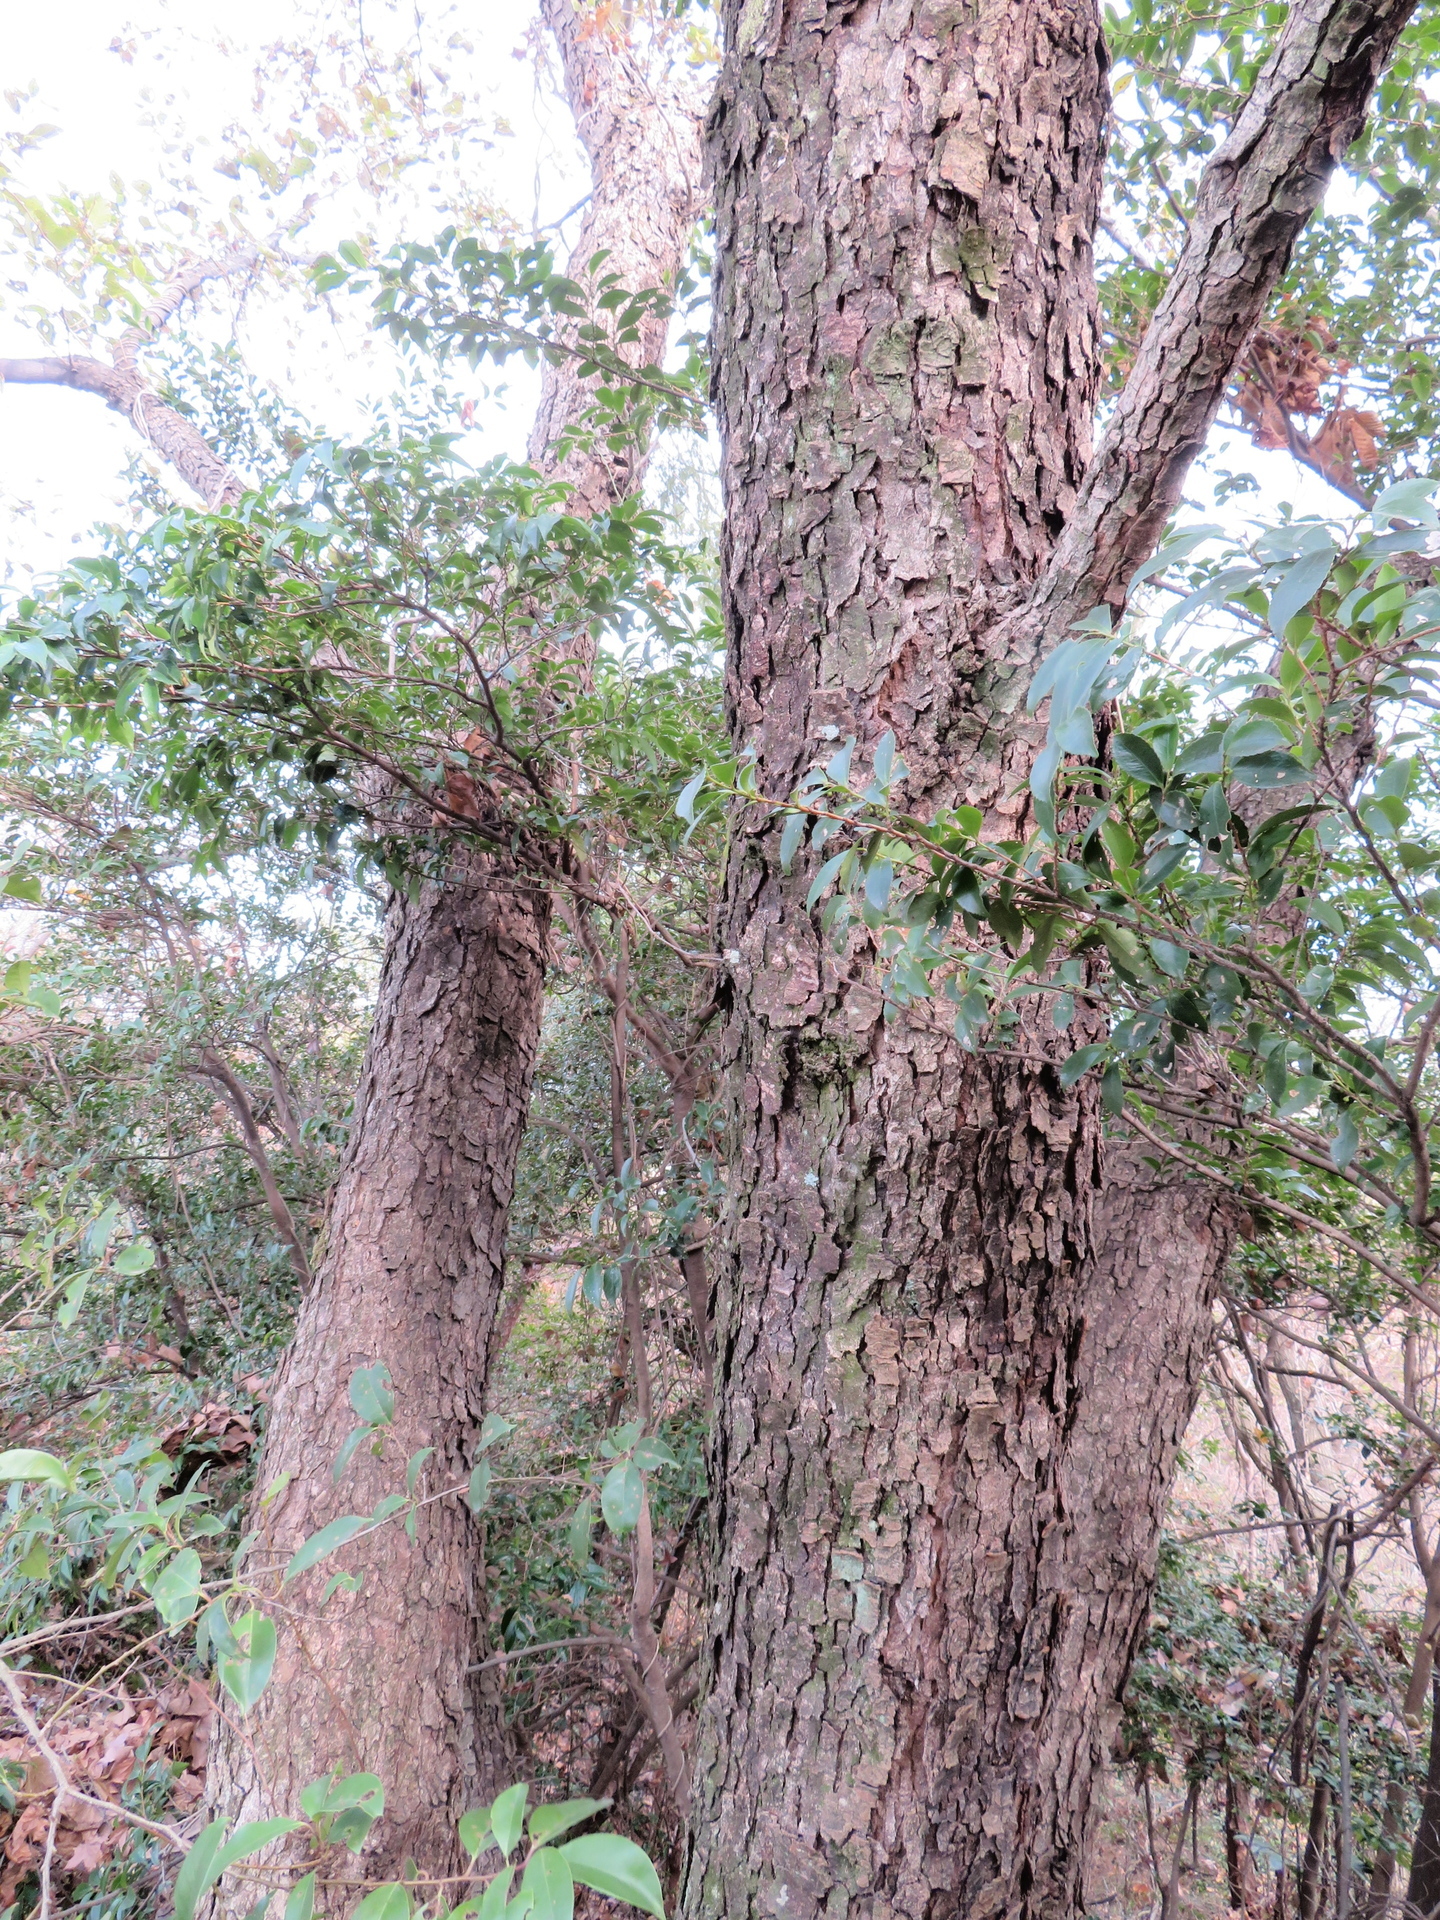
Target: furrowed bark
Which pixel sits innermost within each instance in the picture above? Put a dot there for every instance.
(954, 1359)
(637, 112)
(378, 1681)
(386, 1680)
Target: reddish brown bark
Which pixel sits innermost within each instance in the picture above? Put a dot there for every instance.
(958, 1339)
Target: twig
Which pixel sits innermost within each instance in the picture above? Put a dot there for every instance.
(63, 1787)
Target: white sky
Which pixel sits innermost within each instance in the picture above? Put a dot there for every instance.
(163, 114)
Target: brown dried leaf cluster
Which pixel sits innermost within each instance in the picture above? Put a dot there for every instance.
(100, 1754)
(1286, 372)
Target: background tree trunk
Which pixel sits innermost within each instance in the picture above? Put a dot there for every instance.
(383, 1681)
(953, 1364)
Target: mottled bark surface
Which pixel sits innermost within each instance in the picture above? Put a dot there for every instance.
(377, 1681)
(638, 106)
(958, 1339)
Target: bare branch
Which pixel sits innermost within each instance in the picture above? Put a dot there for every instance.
(124, 390)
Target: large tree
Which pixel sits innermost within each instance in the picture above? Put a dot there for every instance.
(958, 1337)
(384, 1680)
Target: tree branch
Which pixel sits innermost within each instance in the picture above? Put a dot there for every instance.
(1256, 194)
(123, 389)
(212, 1067)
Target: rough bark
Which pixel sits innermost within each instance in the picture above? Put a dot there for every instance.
(385, 1681)
(378, 1681)
(638, 110)
(954, 1359)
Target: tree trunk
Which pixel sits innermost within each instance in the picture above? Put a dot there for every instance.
(954, 1360)
(1423, 1892)
(378, 1681)
(383, 1681)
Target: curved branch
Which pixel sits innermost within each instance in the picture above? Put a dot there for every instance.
(125, 393)
(123, 389)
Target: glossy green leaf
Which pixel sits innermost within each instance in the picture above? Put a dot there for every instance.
(547, 1823)
(246, 1676)
(620, 1497)
(390, 1902)
(324, 1543)
(615, 1866)
(474, 1830)
(300, 1901)
(548, 1882)
(507, 1817)
(371, 1395)
(176, 1590)
(29, 1463)
(577, 1538)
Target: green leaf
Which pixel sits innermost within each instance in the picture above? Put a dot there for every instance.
(1161, 864)
(507, 1817)
(73, 1299)
(478, 1492)
(791, 836)
(615, 1866)
(246, 1677)
(22, 886)
(1080, 1063)
(492, 1901)
(323, 1543)
(176, 1591)
(823, 880)
(1269, 770)
(1169, 958)
(475, 1830)
(390, 1902)
(28, 1463)
(577, 1538)
(1112, 1090)
(1346, 1143)
(1299, 585)
(548, 1881)
(652, 1453)
(370, 1394)
(878, 881)
(494, 1427)
(208, 1859)
(1122, 946)
(196, 1874)
(547, 1822)
(620, 1497)
(689, 794)
(300, 1901)
(348, 1450)
(138, 1257)
(1137, 759)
